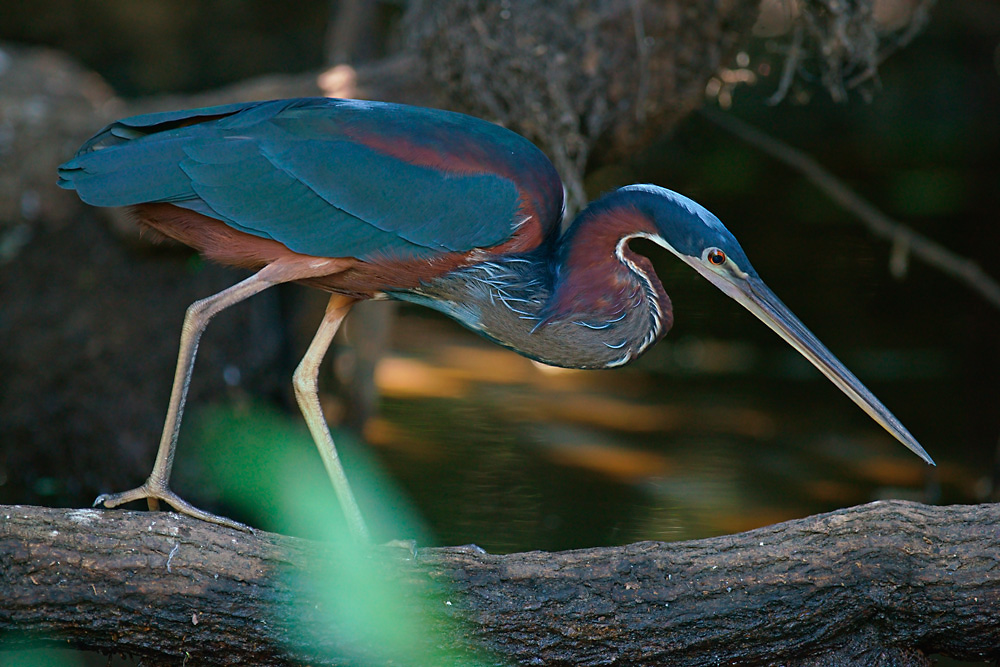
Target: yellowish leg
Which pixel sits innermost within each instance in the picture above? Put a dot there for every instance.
(156, 487)
(306, 383)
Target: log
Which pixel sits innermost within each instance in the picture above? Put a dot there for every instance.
(886, 583)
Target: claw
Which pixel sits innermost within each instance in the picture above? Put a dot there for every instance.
(154, 492)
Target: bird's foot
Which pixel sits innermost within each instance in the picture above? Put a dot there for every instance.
(409, 547)
(153, 493)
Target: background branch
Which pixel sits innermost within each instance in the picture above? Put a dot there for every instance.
(903, 238)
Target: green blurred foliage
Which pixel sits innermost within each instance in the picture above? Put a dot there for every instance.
(250, 450)
(265, 464)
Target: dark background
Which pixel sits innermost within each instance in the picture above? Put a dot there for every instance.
(720, 428)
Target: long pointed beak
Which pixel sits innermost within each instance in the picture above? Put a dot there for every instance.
(755, 296)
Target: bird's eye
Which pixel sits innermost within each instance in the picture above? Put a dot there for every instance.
(716, 256)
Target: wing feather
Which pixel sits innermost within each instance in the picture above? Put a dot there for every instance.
(295, 171)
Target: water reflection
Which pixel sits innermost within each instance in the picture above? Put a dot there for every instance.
(703, 438)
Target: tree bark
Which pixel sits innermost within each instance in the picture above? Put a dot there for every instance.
(885, 583)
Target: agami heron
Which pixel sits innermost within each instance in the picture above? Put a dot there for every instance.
(370, 200)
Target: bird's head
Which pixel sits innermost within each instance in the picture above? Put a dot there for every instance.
(699, 239)
(692, 233)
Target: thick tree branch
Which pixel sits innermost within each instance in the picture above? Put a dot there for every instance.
(890, 580)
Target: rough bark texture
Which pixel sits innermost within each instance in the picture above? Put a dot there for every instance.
(881, 584)
(578, 77)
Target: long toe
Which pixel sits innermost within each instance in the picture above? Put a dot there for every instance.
(184, 507)
(110, 500)
(147, 492)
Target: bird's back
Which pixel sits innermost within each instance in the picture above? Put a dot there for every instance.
(331, 178)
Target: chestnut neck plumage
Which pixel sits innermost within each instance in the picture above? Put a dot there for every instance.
(582, 300)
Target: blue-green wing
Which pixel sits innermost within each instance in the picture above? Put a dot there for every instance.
(325, 177)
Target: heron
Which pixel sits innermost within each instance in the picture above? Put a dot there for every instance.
(372, 200)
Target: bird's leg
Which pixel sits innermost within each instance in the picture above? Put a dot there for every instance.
(306, 383)
(156, 487)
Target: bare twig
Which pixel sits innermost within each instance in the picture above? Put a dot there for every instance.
(844, 43)
(350, 34)
(878, 223)
(642, 49)
(791, 66)
(919, 19)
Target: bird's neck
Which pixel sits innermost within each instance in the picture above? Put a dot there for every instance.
(584, 300)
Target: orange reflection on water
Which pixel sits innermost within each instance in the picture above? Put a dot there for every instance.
(621, 463)
(402, 377)
(630, 417)
(829, 491)
(380, 432)
(736, 521)
(606, 412)
(891, 471)
(494, 365)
